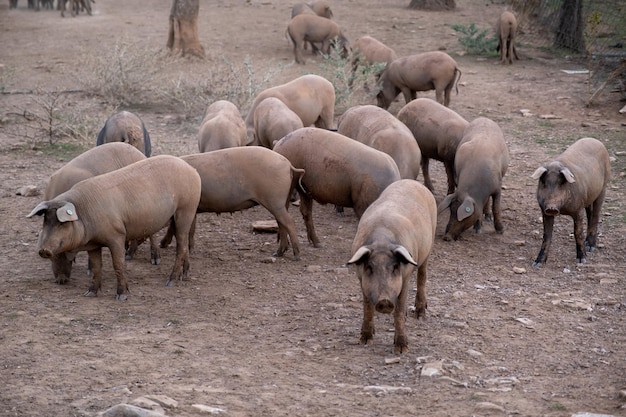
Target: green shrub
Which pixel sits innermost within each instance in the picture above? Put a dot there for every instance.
(475, 41)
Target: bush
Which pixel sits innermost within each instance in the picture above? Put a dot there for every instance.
(475, 41)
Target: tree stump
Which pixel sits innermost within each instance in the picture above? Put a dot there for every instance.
(183, 34)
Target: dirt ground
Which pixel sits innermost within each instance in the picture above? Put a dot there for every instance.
(250, 335)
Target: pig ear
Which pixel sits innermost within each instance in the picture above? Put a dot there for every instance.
(360, 255)
(466, 209)
(401, 252)
(538, 173)
(40, 209)
(67, 213)
(445, 203)
(568, 174)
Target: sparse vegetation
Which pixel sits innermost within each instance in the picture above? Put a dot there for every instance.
(349, 86)
(475, 40)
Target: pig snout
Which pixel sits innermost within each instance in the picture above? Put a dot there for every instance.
(385, 306)
(551, 210)
(45, 253)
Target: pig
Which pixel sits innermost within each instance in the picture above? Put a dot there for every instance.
(338, 170)
(319, 7)
(438, 131)
(395, 234)
(379, 129)
(222, 127)
(310, 96)
(312, 28)
(506, 29)
(409, 74)
(236, 179)
(126, 127)
(481, 162)
(574, 180)
(132, 202)
(95, 161)
(272, 121)
(367, 50)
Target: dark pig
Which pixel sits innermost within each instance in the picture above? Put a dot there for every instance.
(573, 181)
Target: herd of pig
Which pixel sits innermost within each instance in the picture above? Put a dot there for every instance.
(116, 194)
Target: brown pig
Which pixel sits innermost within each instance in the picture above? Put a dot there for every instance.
(338, 170)
(573, 181)
(222, 127)
(481, 161)
(125, 127)
(236, 179)
(273, 120)
(310, 96)
(95, 161)
(506, 29)
(133, 202)
(409, 74)
(312, 28)
(438, 131)
(395, 234)
(379, 129)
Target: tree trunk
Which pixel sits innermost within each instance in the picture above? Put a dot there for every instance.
(433, 4)
(569, 34)
(183, 34)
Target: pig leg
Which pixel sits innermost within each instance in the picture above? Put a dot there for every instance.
(578, 236)
(593, 218)
(62, 267)
(286, 232)
(548, 225)
(450, 174)
(400, 341)
(183, 224)
(420, 297)
(155, 254)
(427, 182)
(497, 213)
(408, 94)
(367, 328)
(167, 239)
(95, 260)
(117, 256)
(306, 208)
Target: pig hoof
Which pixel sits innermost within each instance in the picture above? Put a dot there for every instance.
(169, 283)
(122, 297)
(155, 261)
(537, 264)
(581, 261)
(90, 293)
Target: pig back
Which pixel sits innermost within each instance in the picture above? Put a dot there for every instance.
(232, 178)
(95, 161)
(437, 129)
(379, 129)
(138, 199)
(482, 158)
(338, 170)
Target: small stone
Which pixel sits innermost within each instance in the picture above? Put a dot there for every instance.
(163, 400)
(520, 242)
(388, 389)
(474, 353)
(127, 410)
(265, 226)
(487, 407)
(313, 268)
(585, 414)
(432, 369)
(519, 270)
(148, 404)
(528, 323)
(389, 361)
(269, 260)
(525, 112)
(207, 409)
(28, 191)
